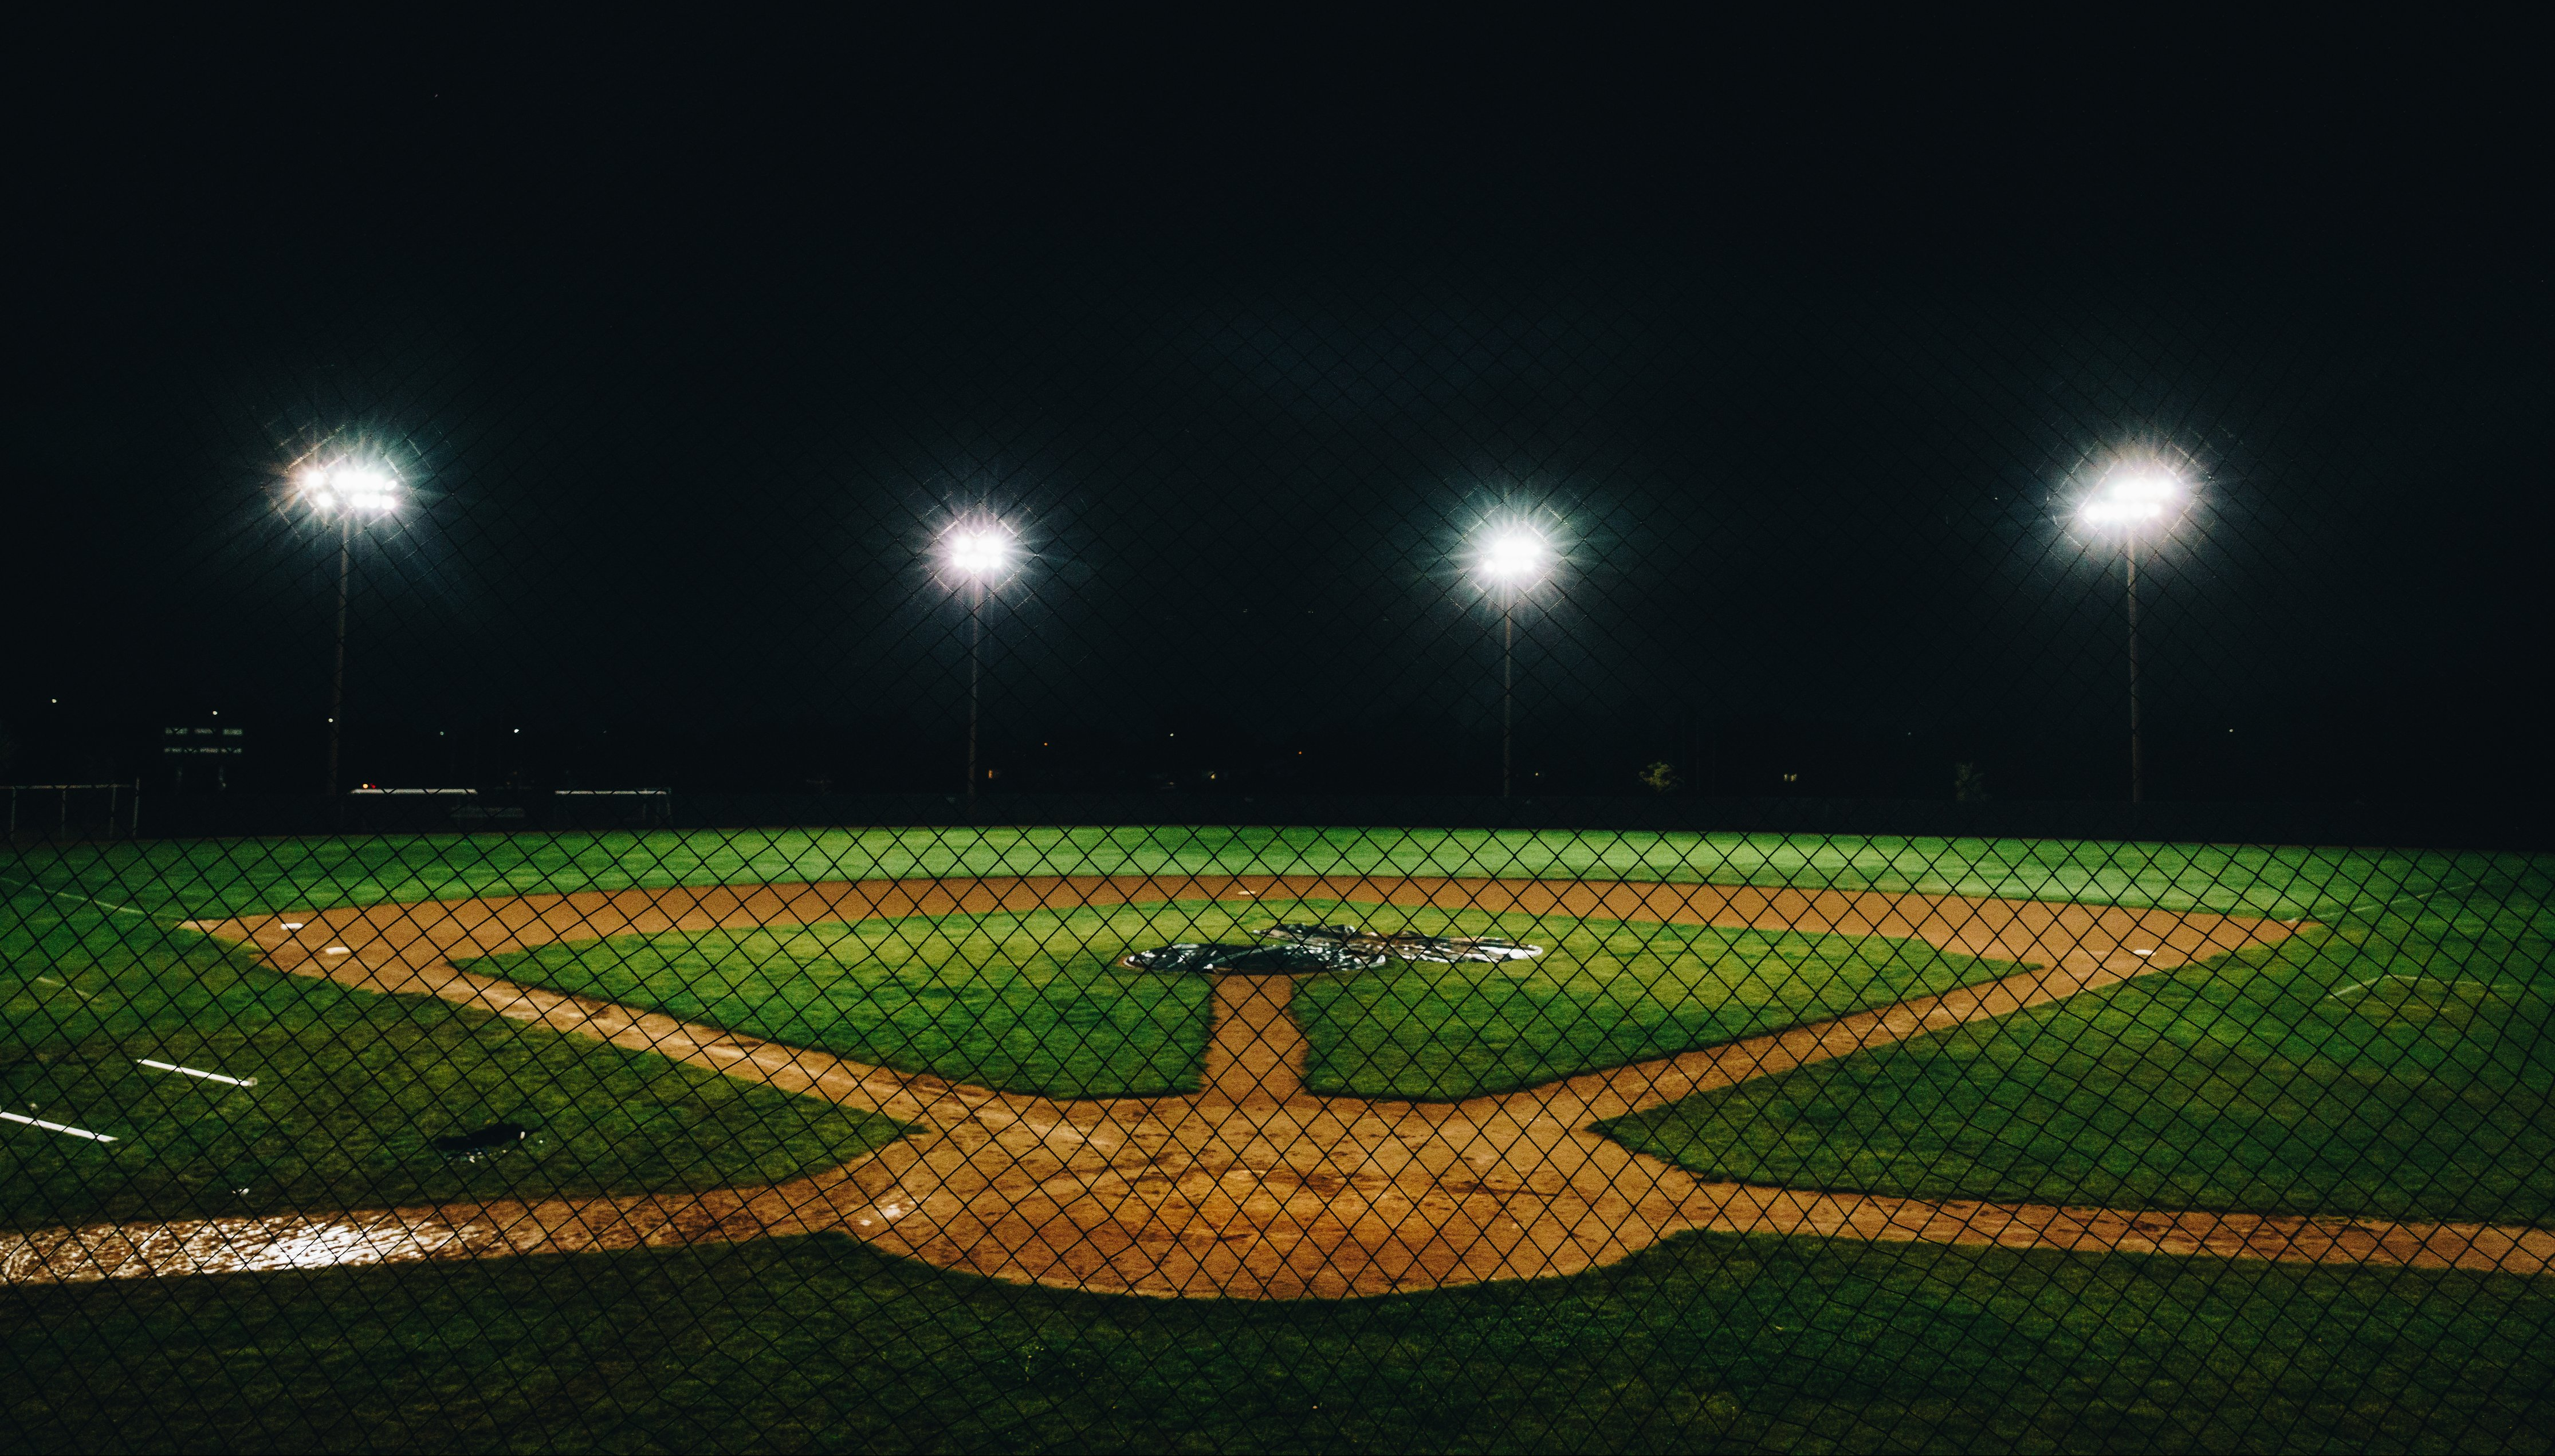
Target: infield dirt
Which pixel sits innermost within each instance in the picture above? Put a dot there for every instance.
(1251, 1187)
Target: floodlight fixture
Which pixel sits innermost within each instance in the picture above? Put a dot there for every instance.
(348, 488)
(2130, 500)
(979, 552)
(1513, 558)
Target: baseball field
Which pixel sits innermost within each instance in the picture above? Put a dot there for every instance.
(866, 1138)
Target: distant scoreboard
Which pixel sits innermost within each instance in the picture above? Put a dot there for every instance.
(192, 743)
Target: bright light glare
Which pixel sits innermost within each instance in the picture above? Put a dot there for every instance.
(352, 486)
(2131, 500)
(979, 552)
(1514, 556)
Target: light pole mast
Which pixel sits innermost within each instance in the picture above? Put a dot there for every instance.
(1509, 559)
(2133, 503)
(348, 489)
(338, 682)
(978, 551)
(2137, 748)
(1508, 692)
(975, 679)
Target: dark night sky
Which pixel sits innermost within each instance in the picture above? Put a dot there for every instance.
(687, 344)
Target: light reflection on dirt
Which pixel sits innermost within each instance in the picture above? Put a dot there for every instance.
(241, 1244)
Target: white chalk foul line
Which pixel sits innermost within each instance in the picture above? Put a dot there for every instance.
(36, 1122)
(2496, 987)
(170, 1066)
(2371, 981)
(122, 909)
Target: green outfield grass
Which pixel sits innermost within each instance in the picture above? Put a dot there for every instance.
(1704, 1343)
(350, 1088)
(232, 877)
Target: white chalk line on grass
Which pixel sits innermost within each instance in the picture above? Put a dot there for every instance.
(2401, 976)
(170, 1066)
(122, 909)
(36, 1122)
(2401, 897)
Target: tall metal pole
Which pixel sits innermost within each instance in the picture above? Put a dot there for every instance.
(975, 641)
(2137, 748)
(1507, 690)
(337, 691)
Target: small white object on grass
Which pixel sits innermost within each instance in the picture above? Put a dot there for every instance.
(36, 1122)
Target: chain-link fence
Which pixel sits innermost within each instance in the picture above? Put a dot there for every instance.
(1516, 848)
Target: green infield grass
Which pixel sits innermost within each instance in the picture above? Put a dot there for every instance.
(1032, 1002)
(1703, 1343)
(1604, 993)
(350, 1087)
(1028, 1002)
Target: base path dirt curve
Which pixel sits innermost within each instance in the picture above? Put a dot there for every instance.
(1251, 1187)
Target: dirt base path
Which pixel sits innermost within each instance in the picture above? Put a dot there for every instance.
(1251, 1187)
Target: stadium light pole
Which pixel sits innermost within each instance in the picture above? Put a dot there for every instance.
(349, 490)
(2133, 504)
(977, 552)
(1508, 560)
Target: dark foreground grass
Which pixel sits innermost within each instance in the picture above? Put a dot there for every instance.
(1705, 1343)
(1033, 1003)
(2398, 1066)
(350, 1087)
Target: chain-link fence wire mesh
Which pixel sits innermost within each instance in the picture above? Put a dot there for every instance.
(1812, 1043)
